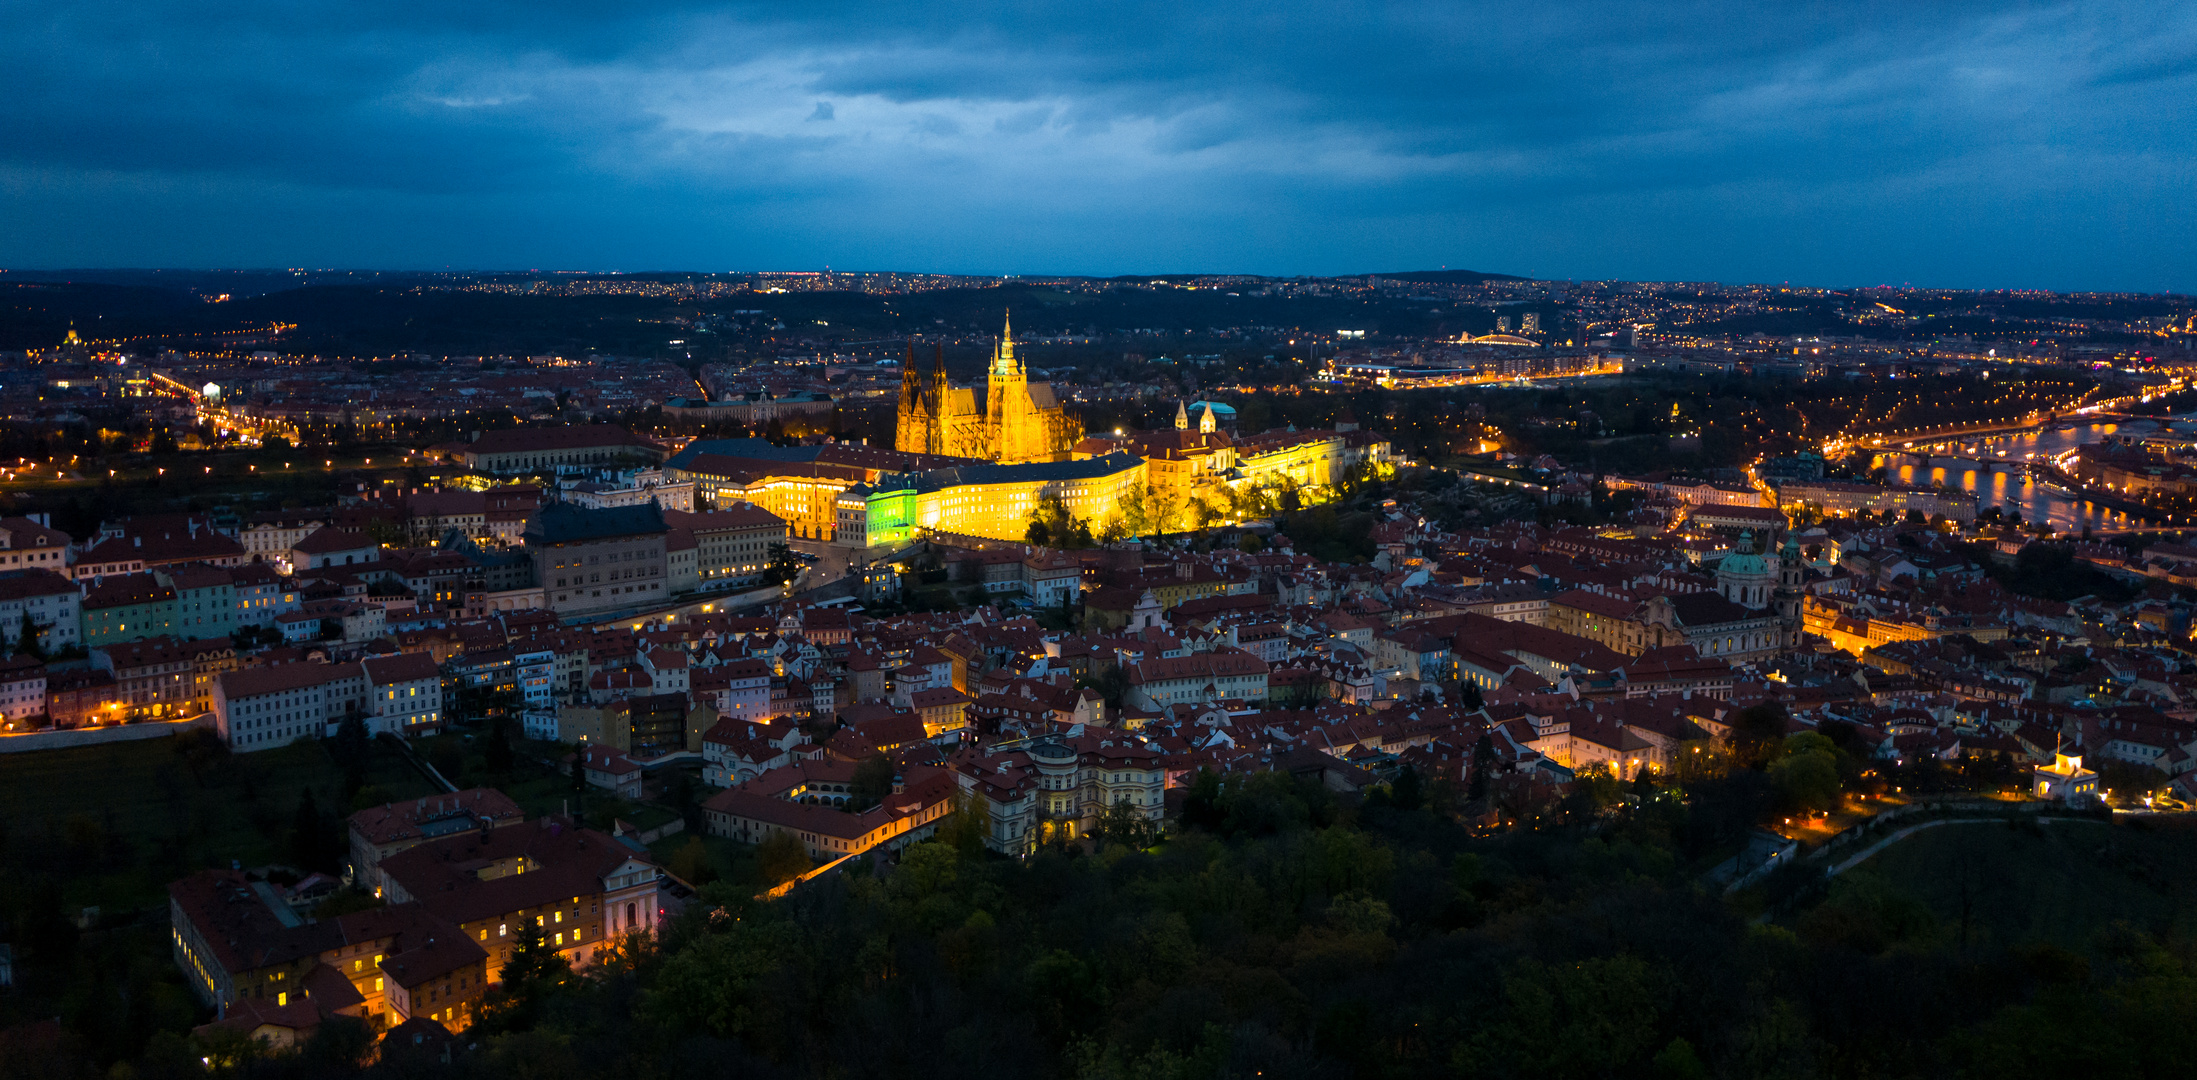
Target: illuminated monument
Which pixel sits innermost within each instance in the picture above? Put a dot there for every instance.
(1018, 421)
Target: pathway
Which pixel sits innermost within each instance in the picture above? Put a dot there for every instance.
(1866, 853)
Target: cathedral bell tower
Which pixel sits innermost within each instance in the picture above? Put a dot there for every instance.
(1791, 589)
(1013, 429)
(918, 408)
(942, 395)
(1004, 364)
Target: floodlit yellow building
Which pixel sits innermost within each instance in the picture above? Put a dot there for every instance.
(1019, 420)
(996, 501)
(1304, 459)
(2066, 780)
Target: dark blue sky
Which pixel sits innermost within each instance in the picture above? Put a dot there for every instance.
(1957, 144)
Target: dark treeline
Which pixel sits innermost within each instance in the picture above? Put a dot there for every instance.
(1286, 933)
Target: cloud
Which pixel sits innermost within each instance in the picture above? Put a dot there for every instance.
(1573, 138)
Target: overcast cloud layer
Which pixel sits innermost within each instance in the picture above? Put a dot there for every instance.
(2049, 145)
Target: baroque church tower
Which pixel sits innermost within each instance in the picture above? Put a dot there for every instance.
(1792, 589)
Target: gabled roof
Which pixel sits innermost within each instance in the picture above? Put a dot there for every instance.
(279, 678)
(323, 540)
(1709, 609)
(417, 818)
(17, 584)
(17, 533)
(403, 667)
(565, 861)
(119, 590)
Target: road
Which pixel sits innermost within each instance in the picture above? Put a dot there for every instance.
(832, 561)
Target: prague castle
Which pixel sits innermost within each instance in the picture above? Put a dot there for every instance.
(1017, 421)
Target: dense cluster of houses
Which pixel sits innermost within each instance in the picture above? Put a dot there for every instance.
(1069, 693)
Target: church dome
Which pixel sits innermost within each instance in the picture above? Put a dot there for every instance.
(1743, 564)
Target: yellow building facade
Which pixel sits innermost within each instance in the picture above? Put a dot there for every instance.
(997, 501)
(1020, 421)
(808, 503)
(1304, 459)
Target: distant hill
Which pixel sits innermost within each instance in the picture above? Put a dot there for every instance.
(1450, 277)
(237, 283)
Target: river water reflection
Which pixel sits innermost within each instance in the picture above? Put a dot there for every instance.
(2017, 491)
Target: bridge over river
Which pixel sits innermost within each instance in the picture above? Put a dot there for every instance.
(2019, 469)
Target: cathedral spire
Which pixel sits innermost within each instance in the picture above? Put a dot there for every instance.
(911, 385)
(1003, 358)
(1182, 415)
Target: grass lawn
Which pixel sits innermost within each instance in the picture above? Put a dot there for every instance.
(728, 861)
(2058, 884)
(538, 786)
(114, 824)
(145, 482)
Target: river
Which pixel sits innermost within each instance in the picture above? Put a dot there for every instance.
(2020, 492)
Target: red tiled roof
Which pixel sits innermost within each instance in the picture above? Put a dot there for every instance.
(403, 667)
(395, 821)
(278, 678)
(327, 539)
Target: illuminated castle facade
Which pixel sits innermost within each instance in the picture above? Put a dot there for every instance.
(1018, 421)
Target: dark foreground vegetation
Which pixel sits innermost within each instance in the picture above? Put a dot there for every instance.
(1286, 933)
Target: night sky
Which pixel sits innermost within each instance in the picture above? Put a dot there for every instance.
(1959, 145)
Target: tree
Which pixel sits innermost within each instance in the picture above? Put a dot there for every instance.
(784, 565)
(1805, 775)
(1204, 807)
(873, 780)
(1052, 524)
(534, 968)
(308, 841)
(692, 863)
(1483, 766)
(2130, 782)
(781, 857)
(1406, 793)
(1123, 823)
(498, 751)
(26, 638)
(1756, 733)
(353, 750)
